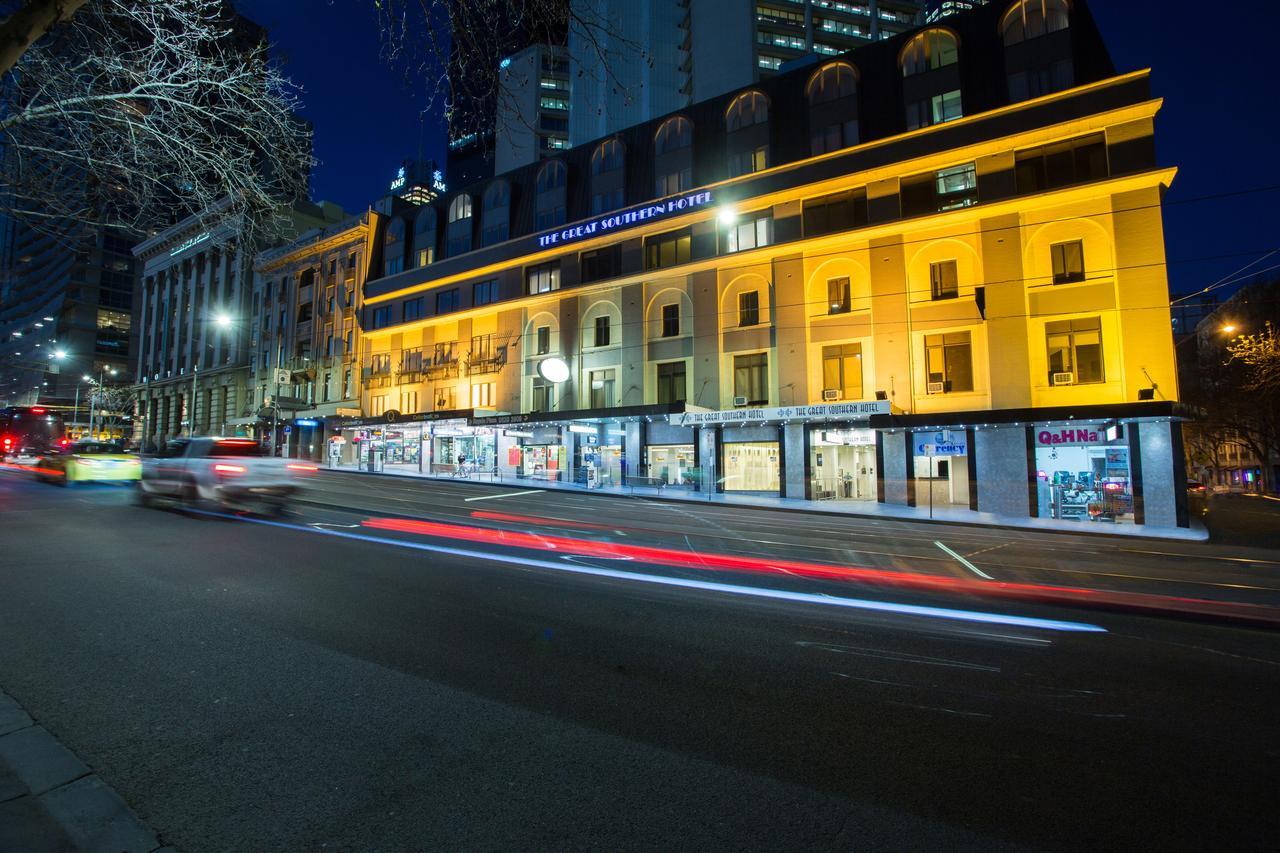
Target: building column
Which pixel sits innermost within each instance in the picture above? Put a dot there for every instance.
(895, 468)
(795, 461)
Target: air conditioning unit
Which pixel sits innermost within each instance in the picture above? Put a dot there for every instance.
(937, 387)
(830, 394)
(1062, 379)
(739, 401)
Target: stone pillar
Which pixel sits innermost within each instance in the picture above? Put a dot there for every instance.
(1002, 470)
(1161, 471)
(795, 453)
(897, 470)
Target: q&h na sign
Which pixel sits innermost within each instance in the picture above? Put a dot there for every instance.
(626, 218)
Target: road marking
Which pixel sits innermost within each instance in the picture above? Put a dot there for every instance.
(709, 586)
(1201, 556)
(503, 495)
(970, 566)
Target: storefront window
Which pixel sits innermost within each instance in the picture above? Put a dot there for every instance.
(752, 466)
(1082, 475)
(672, 464)
(842, 463)
(941, 468)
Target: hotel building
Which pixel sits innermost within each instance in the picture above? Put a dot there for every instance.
(927, 272)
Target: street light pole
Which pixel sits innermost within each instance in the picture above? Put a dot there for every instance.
(191, 409)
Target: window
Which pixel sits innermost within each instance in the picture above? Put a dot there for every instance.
(543, 278)
(929, 51)
(380, 364)
(1068, 262)
(669, 249)
(460, 208)
(607, 176)
(607, 157)
(600, 264)
(458, 231)
(445, 354)
(484, 292)
(602, 331)
(948, 363)
(495, 217)
(378, 405)
(942, 280)
(482, 395)
(606, 200)
(833, 108)
(381, 317)
(448, 300)
(550, 192)
(602, 385)
(392, 248)
(413, 309)
(1075, 349)
(749, 308)
(671, 320)
(1062, 164)
(936, 109)
(838, 298)
(673, 156)
(409, 401)
(751, 231)
(957, 187)
(751, 378)
(671, 382)
(842, 370)
(543, 340)
(747, 162)
(836, 212)
(424, 235)
(674, 134)
(834, 80)
(1030, 19)
(542, 396)
(747, 109)
(446, 399)
(1051, 76)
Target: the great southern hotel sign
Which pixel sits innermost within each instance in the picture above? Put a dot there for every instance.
(823, 412)
(626, 218)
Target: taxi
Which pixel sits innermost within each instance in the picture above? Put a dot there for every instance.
(88, 462)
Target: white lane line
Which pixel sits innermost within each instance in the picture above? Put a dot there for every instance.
(688, 583)
(970, 566)
(503, 495)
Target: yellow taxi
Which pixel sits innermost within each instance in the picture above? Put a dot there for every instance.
(88, 462)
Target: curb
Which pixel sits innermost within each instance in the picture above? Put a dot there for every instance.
(800, 510)
(52, 801)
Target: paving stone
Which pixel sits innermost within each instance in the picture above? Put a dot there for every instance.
(38, 760)
(12, 717)
(10, 785)
(95, 818)
(26, 826)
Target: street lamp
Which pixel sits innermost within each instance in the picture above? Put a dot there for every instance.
(1228, 328)
(101, 383)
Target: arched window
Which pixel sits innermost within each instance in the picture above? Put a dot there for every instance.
(831, 81)
(674, 134)
(393, 247)
(747, 109)
(460, 208)
(607, 176)
(673, 156)
(550, 195)
(1030, 19)
(495, 215)
(1037, 62)
(929, 51)
(833, 108)
(458, 231)
(931, 88)
(424, 236)
(747, 138)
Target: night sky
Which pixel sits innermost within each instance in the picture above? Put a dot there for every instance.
(1220, 124)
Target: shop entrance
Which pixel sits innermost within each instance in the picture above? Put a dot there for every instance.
(541, 461)
(842, 464)
(941, 469)
(752, 466)
(1083, 476)
(671, 464)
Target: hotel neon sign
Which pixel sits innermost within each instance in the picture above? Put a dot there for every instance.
(626, 218)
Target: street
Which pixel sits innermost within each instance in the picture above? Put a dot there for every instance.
(251, 684)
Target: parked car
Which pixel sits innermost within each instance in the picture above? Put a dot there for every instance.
(87, 462)
(221, 473)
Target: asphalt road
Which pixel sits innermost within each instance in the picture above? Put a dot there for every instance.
(350, 678)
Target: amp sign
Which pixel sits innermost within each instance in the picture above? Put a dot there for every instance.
(626, 219)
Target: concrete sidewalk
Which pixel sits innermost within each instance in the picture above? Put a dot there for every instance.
(861, 509)
(51, 802)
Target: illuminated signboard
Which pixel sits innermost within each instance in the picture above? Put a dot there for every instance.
(399, 179)
(437, 182)
(626, 218)
(187, 244)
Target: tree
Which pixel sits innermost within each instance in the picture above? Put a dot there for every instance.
(1260, 355)
(111, 405)
(131, 112)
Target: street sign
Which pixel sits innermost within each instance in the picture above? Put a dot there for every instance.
(288, 430)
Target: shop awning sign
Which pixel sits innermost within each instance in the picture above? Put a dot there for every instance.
(945, 443)
(820, 412)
